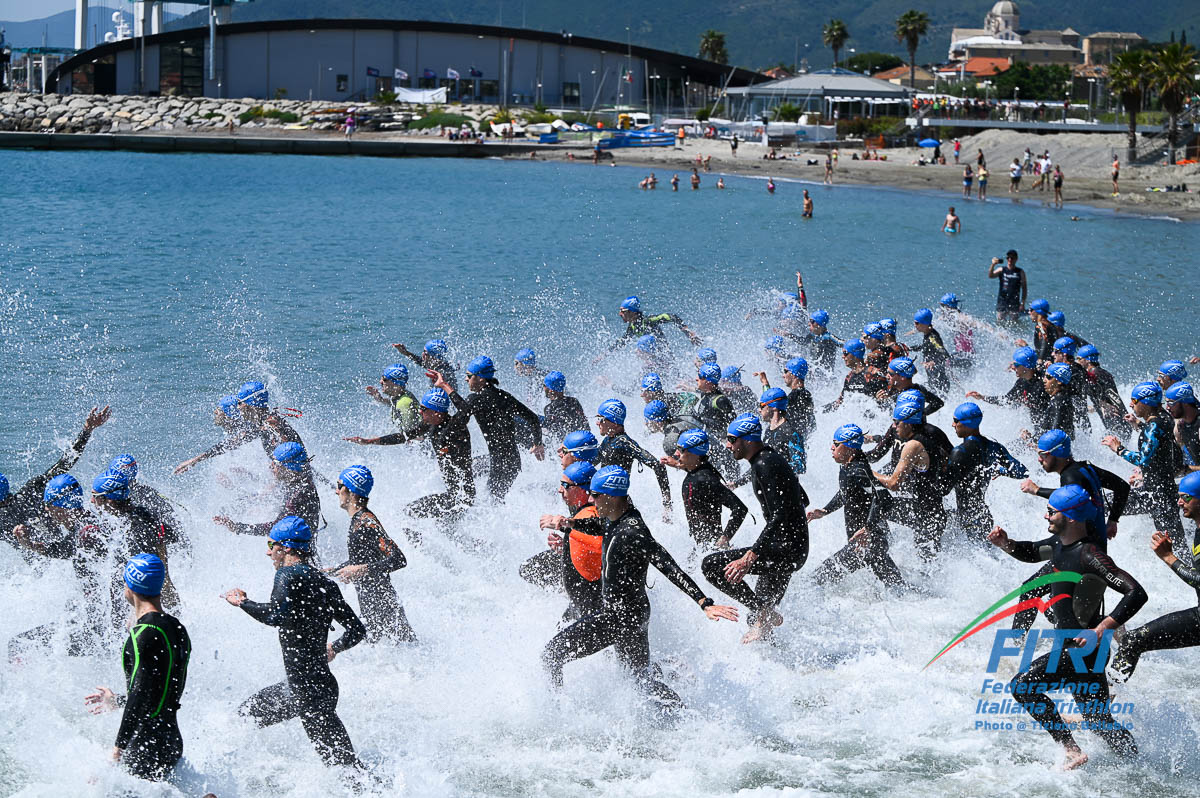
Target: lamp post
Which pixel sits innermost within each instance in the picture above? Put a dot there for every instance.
(1091, 85)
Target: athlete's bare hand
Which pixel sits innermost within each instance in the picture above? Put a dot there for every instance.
(402, 349)
(554, 541)
(373, 392)
(101, 701)
(859, 539)
(329, 652)
(998, 538)
(1029, 486)
(350, 573)
(236, 596)
(716, 612)
(813, 515)
(1160, 544)
(97, 418)
(737, 570)
(974, 395)
(360, 440)
(539, 452)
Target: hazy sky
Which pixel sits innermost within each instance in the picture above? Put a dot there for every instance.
(21, 10)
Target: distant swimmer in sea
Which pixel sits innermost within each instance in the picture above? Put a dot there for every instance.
(695, 180)
(720, 182)
(770, 185)
(675, 182)
(952, 223)
(652, 182)
(808, 206)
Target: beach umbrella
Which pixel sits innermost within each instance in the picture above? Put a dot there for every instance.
(929, 143)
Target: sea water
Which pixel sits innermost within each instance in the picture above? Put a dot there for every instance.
(158, 283)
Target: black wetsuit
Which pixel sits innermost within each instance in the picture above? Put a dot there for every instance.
(556, 568)
(274, 431)
(369, 544)
(1095, 481)
(299, 499)
(496, 412)
(860, 381)
(782, 546)
(704, 494)
(155, 658)
(824, 349)
(743, 400)
(715, 412)
(1030, 394)
(935, 359)
(451, 444)
(1101, 389)
(1188, 437)
(973, 464)
(1081, 609)
(1060, 414)
(1043, 341)
(163, 512)
(563, 416)
(303, 604)
(623, 620)
(919, 506)
(680, 403)
(141, 532)
(887, 444)
(1174, 630)
(1008, 298)
(1160, 459)
(801, 410)
(673, 428)
(865, 502)
(24, 504)
(787, 439)
(621, 450)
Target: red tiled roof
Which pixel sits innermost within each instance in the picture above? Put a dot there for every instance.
(980, 66)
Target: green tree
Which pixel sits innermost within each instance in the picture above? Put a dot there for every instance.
(1173, 77)
(787, 112)
(871, 62)
(1038, 82)
(712, 47)
(911, 27)
(1128, 78)
(834, 36)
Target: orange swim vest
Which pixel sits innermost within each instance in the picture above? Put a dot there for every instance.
(585, 549)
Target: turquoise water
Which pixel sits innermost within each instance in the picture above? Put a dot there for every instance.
(157, 284)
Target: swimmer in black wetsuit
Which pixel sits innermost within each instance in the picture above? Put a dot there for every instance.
(1028, 391)
(678, 404)
(1064, 352)
(294, 476)
(160, 509)
(781, 548)
(434, 357)
(496, 412)
(258, 423)
(859, 379)
(714, 411)
(916, 480)
(155, 659)
(823, 346)
(935, 359)
(450, 440)
(865, 502)
(373, 557)
(900, 373)
(1101, 390)
(623, 621)
(1069, 549)
(619, 449)
(562, 414)
(1177, 629)
(303, 604)
(973, 465)
(703, 492)
(799, 400)
(1180, 401)
(740, 396)
(1059, 412)
(780, 432)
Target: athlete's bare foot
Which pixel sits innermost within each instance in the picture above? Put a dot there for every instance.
(1075, 758)
(757, 632)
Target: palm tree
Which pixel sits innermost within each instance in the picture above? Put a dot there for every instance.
(712, 47)
(1173, 76)
(834, 36)
(1128, 77)
(911, 27)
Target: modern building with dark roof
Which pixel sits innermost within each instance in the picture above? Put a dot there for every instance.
(355, 59)
(823, 91)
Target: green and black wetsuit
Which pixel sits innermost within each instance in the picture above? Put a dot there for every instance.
(155, 658)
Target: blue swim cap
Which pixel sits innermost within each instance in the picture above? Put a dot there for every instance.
(791, 311)
(912, 396)
(888, 325)
(774, 397)
(1173, 369)
(950, 300)
(647, 343)
(125, 464)
(145, 574)
(1190, 485)
(63, 491)
(613, 410)
(229, 406)
(291, 532)
(357, 479)
(436, 347)
(820, 317)
(1055, 443)
(1025, 356)
(849, 435)
(908, 413)
(610, 481)
(874, 331)
(652, 382)
(526, 357)
(1089, 353)
(582, 444)
(1180, 393)
(706, 355)
(797, 367)
(397, 373)
(1074, 502)
(969, 415)
(555, 381)
(1057, 318)
(435, 399)
(1040, 306)
(903, 366)
(693, 440)
(291, 456)
(1060, 372)
(1066, 345)
(856, 348)
(253, 394)
(111, 485)
(710, 372)
(1148, 393)
(3, 487)
(580, 472)
(482, 366)
(774, 343)
(655, 410)
(747, 427)
(923, 316)
(632, 303)
(731, 374)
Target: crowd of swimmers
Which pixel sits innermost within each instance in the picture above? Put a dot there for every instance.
(895, 465)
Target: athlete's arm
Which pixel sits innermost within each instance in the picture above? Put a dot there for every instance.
(96, 418)
(393, 557)
(1149, 445)
(910, 455)
(737, 509)
(933, 402)
(1120, 489)
(152, 661)
(1031, 550)
(519, 410)
(660, 471)
(661, 559)
(270, 612)
(342, 613)
(1133, 594)
(1009, 466)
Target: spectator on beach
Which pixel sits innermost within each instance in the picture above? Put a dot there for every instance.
(733, 144)
(1014, 173)
(1116, 172)
(349, 125)
(982, 174)
(1058, 181)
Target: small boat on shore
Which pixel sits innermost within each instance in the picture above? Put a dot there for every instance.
(615, 139)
